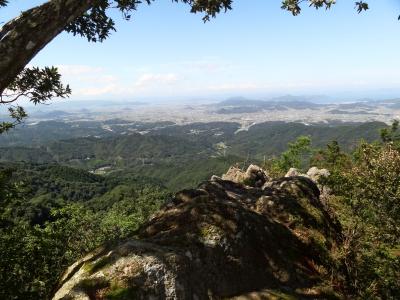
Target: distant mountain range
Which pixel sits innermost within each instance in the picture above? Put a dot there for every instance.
(246, 111)
(243, 105)
(281, 99)
(240, 105)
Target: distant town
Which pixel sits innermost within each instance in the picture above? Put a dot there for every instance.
(239, 110)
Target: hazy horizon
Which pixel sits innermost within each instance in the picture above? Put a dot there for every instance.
(198, 100)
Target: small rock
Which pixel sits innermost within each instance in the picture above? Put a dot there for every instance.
(234, 174)
(292, 172)
(316, 174)
(215, 178)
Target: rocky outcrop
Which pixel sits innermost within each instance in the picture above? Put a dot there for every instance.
(313, 173)
(222, 240)
(254, 176)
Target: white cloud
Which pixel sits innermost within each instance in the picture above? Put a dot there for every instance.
(88, 80)
(234, 86)
(210, 76)
(203, 65)
(74, 70)
(151, 79)
(208, 65)
(88, 75)
(98, 90)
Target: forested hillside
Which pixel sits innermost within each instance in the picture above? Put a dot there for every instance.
(54, 213)
(161, 151)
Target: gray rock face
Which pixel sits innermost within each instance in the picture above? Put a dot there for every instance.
(220, 240)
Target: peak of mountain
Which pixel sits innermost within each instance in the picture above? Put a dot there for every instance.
(255, 237)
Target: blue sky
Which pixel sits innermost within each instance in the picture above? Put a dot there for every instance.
(256, 49)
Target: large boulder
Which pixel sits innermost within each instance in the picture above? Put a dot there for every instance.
(219, 241)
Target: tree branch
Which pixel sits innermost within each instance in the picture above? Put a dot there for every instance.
(32, 31)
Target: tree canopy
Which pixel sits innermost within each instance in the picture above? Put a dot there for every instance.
(26, 35)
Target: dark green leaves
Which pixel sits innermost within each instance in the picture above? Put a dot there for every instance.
(209, 8)
(293, 6)
(391, 135)
(34, 254)
(295, 156)
(38, 85)
(17, 114)
(3, 3)
(35, 84)
(360, 6)
(322, 3)
(95, 25)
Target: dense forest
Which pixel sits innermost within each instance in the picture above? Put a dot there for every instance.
(56, 207)
(177, 156)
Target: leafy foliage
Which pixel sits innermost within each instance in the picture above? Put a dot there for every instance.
(51, 215)
(373, 188)
(391, 135)
(364, 192)
(96, 25)
(37, 85)
(17, 114)
(361, 5)
(296, 154)
(365, 195)
(294, 5)
(370, 191)
(33, 257)
(54, 215)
